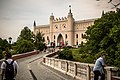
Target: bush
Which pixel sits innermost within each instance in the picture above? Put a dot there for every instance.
(65, 54)
(67, 47)
(84, 58)
(42, 47)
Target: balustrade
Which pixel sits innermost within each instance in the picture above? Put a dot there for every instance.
(82, 71)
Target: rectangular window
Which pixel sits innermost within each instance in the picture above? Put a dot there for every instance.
(54, 36)
(76, 35)
(47, 38)
(66, 36)
(82, 35)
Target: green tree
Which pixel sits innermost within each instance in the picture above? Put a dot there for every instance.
(39, 41)
(24, 46)
(4, 46)
(104, 36)
(26, 34)
(25, 41)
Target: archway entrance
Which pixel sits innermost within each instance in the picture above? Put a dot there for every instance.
(60, 40)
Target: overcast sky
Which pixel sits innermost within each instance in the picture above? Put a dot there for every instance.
(16, 14)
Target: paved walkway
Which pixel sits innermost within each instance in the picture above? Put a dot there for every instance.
(31, 68)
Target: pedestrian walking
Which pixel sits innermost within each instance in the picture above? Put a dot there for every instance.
(9, 68)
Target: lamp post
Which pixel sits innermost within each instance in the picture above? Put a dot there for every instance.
(10, 39)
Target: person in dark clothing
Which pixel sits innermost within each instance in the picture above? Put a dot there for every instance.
(6, 66)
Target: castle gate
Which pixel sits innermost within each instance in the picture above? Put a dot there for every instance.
(60, 40)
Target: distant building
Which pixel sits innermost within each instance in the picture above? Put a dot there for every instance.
(64, 31)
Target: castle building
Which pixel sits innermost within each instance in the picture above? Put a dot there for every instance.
(64, 31)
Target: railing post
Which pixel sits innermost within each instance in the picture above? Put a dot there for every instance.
(44, 60)
(66, 66)
(75, 69)
(50, 61)
(59, 64)
(53, 63)
(88, 72)
(109, 74)
(47, 61)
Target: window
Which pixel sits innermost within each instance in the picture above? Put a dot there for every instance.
(54, 36)
(47, 38)
(76, 35)
(82, 35)
(56, 26)
(64, 25)
(66, 36)
(76, 43)
(44, 38)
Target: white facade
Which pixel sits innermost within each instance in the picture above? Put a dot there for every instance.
(64, 31)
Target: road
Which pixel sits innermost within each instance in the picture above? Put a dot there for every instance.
(31, 68)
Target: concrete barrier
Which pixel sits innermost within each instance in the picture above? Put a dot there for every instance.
(23, 55)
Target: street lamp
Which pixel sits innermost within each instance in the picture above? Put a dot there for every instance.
(10, 39)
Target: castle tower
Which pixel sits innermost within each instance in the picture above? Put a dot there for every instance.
(34, 25)
(51, 27)
(71, 26)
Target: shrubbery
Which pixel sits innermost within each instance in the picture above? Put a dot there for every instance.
(4, 45)
(104, 36)
(65, 54)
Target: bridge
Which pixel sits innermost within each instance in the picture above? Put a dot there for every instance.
(42, 66)
(32, 68)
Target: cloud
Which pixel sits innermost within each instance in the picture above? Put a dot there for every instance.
(15, 14)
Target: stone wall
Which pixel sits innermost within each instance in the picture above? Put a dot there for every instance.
(23, 55)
